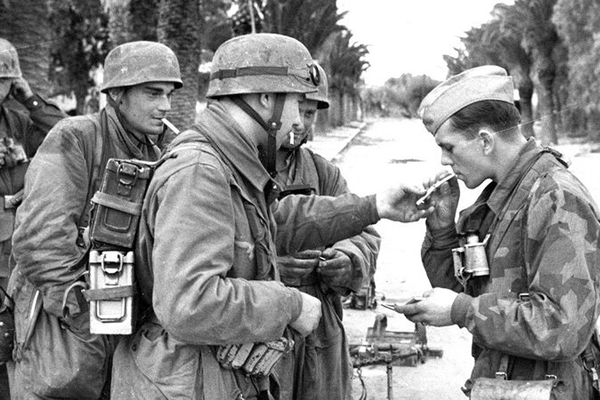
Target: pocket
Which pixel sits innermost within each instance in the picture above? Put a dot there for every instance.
(172, 367)
(83, 360)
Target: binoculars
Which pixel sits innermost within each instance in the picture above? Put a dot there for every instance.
(470, 259)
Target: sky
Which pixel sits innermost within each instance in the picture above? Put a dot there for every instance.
(411, 36)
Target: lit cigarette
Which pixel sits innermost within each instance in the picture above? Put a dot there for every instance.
(292, 138)
(170, 126)
(433, 188)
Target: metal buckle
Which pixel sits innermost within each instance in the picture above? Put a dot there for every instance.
(9, 201)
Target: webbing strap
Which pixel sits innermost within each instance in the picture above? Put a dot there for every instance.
(249, 71)
(109, 293)
(117, 203)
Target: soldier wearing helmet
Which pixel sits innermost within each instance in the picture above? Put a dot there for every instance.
(326, 273)
(55, 355)
(22, 129)
(217, 318)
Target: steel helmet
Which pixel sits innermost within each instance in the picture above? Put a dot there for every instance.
(262, 63)
(139, 62)
(320, 96)
(9, 60)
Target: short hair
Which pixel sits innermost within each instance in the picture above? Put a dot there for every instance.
(500, 116)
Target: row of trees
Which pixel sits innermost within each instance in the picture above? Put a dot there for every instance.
(552, 49)
(62, 43)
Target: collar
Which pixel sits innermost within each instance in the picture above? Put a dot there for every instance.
(225, 133)
(504, 189)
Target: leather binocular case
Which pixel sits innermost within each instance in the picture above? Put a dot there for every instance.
(111, 292)
(470, 260)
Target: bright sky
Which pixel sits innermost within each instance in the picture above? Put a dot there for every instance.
(412, 35)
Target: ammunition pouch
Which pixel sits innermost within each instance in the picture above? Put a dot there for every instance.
(255, 359)
(7, 327)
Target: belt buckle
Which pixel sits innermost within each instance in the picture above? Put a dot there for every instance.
(8, 201)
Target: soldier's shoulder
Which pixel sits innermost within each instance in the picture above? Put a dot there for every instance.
(565, 188)
(80, 125)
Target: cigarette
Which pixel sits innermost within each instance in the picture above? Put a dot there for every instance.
(292, 138)
(433, 188)
(170, 126)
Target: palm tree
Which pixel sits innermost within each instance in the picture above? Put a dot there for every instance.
(533, 19)
(179, 28)
(25, 24)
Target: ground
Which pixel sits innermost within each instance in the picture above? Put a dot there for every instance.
(389, 151)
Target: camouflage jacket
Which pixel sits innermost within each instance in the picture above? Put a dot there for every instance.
(540, 301)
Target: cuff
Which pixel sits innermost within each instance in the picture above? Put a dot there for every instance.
(460, 307)
(371, 210)
(443, 238)
(296, 304)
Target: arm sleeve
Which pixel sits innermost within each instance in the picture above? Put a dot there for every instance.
(43, 116)
(436, 254)
(193, 297)
(308, 222)
(561, 261)
(45, 241)
(363, 248)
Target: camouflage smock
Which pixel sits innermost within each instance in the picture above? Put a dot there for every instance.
(540, 302)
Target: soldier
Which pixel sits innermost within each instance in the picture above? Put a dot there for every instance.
(327, 273)
(527, 283)
(55, 354)
(21, 134)
(216, 314)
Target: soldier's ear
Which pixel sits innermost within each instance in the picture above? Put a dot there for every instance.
(487, 140)
(116, 94)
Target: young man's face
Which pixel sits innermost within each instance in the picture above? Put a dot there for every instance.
(308, 114)
(290, 118)
(143, 106)
(464, 155)
(5, 85)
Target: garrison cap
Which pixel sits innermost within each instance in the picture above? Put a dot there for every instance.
(488, 82)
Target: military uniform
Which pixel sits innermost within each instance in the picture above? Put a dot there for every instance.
(27, 130)
(206, 264)
(320, 366)
(534, 315)
(50, 251)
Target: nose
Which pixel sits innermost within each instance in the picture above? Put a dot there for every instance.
(164, 104)
(445, 160)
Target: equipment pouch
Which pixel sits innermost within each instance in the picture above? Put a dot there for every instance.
(491, 389)
(7, 327)
(118, 203)
(111, 292)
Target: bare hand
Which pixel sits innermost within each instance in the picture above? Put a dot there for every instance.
(336, 269)
(295, 267)
(434, 309)
(399, 203)
(21, 89)
(309, 317)
(444, 201)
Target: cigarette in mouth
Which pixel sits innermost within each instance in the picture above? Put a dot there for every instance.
(292, 138)
(170, 126)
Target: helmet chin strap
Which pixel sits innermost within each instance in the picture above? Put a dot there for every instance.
(271, 126)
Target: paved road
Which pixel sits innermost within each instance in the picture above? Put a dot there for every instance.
(394, 151)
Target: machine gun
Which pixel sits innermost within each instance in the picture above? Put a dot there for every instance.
(390, 348)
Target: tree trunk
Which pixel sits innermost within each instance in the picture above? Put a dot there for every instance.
(25, 24)
(179, 28)
(525, 95)
(118, 22)
(543, 80)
